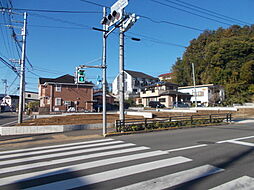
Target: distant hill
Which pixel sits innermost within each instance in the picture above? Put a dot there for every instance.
(224, 57)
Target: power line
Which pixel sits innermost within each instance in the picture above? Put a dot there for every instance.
(208, 18)
(61, 20)
(203, 11)
(213, 12)
(154, 40)
(97, 4)
(52, 11)
(171, 23)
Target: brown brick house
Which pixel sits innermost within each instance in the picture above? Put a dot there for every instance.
(62, 94)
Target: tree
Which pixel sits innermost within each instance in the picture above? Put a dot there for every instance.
(224, 57)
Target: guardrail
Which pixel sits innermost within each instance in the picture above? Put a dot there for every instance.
(167, 122)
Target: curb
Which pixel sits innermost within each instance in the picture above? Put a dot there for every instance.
(46, 129)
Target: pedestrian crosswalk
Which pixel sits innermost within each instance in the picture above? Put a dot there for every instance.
(82, 164)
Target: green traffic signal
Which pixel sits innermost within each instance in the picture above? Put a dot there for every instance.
(81, 79)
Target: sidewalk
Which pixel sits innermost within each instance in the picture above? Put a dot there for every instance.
(18, 141)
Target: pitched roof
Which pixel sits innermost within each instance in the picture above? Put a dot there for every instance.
(137, 74)
(67, 79)
(166, 74)
(62, 79)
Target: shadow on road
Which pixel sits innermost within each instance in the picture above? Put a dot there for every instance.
(224, 165)
(50, 178)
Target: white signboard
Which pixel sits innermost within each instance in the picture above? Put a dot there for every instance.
(120, 4)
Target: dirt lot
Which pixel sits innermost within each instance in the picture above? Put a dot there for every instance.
(74, 119)
(97, 118)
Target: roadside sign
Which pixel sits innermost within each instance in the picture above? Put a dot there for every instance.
(119, 5)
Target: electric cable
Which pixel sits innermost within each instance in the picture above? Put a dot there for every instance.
(158, 2)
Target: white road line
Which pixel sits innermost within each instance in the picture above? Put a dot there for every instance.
(174, 179)
(8, 123)
(241, 143)
(242, 183)
(82, 166)
(58, 149)
(237, 139)
(112, 174)
(66, 153)
(54, 146)
(73, 158)
(185, 148)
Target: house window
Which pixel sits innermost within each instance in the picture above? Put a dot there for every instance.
(58, 88)
(140, 101)
(58, 101)
(29, 95)
(162, 100)
(153, 90)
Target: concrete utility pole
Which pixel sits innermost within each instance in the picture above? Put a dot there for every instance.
(5, 86)
(194, 83)
(121, 74)
(22, 71)
(104, 75)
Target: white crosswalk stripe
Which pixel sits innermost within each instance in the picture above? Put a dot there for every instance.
(174, 179)
(242, 183)
(112, 174)
(80, 164)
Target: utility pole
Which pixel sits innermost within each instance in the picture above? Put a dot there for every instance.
(22, 71)
(194, 83)
(104, 74)
(121, 74)
(5, 86)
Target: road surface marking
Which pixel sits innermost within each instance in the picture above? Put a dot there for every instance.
(59, 149)
(174, 179)
(237, 139)
(54, 146)
(242, 183)
(87, 165)
(8, 123)
(185, 148)
(66, 153)
(111, 174)
(71, 159)
(241, 143)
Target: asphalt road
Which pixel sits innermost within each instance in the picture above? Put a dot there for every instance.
(8, 118)
(219, 157)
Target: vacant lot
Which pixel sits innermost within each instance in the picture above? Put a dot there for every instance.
(97, 118)
(74, 119)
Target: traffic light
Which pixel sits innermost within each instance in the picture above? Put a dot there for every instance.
(112, 18)
(81, 75)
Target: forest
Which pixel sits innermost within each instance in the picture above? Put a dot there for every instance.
(223, 57)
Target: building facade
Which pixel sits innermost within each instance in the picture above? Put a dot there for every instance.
(205, 95)
(164, 92)
(62, 94)
(134, 82)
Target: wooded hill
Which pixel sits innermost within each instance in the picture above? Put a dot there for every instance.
(224, 57)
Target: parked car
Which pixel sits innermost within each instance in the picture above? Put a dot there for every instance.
(180, 105)
(156, 104)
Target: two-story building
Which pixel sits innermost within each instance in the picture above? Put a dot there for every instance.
(205, 95)
(62, 94)
(164, 92)
(134, 82)
(31, 96)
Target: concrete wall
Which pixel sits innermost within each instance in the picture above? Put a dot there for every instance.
(25, 130)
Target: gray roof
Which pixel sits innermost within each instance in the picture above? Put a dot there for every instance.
(137, 74)
(66, 79)
(174, 93)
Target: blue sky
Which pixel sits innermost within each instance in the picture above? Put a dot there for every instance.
(58, 42)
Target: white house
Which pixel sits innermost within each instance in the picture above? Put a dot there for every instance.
(134, 82)
(208, 94)
(31, 96)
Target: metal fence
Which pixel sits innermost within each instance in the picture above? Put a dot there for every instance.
(172, 121)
